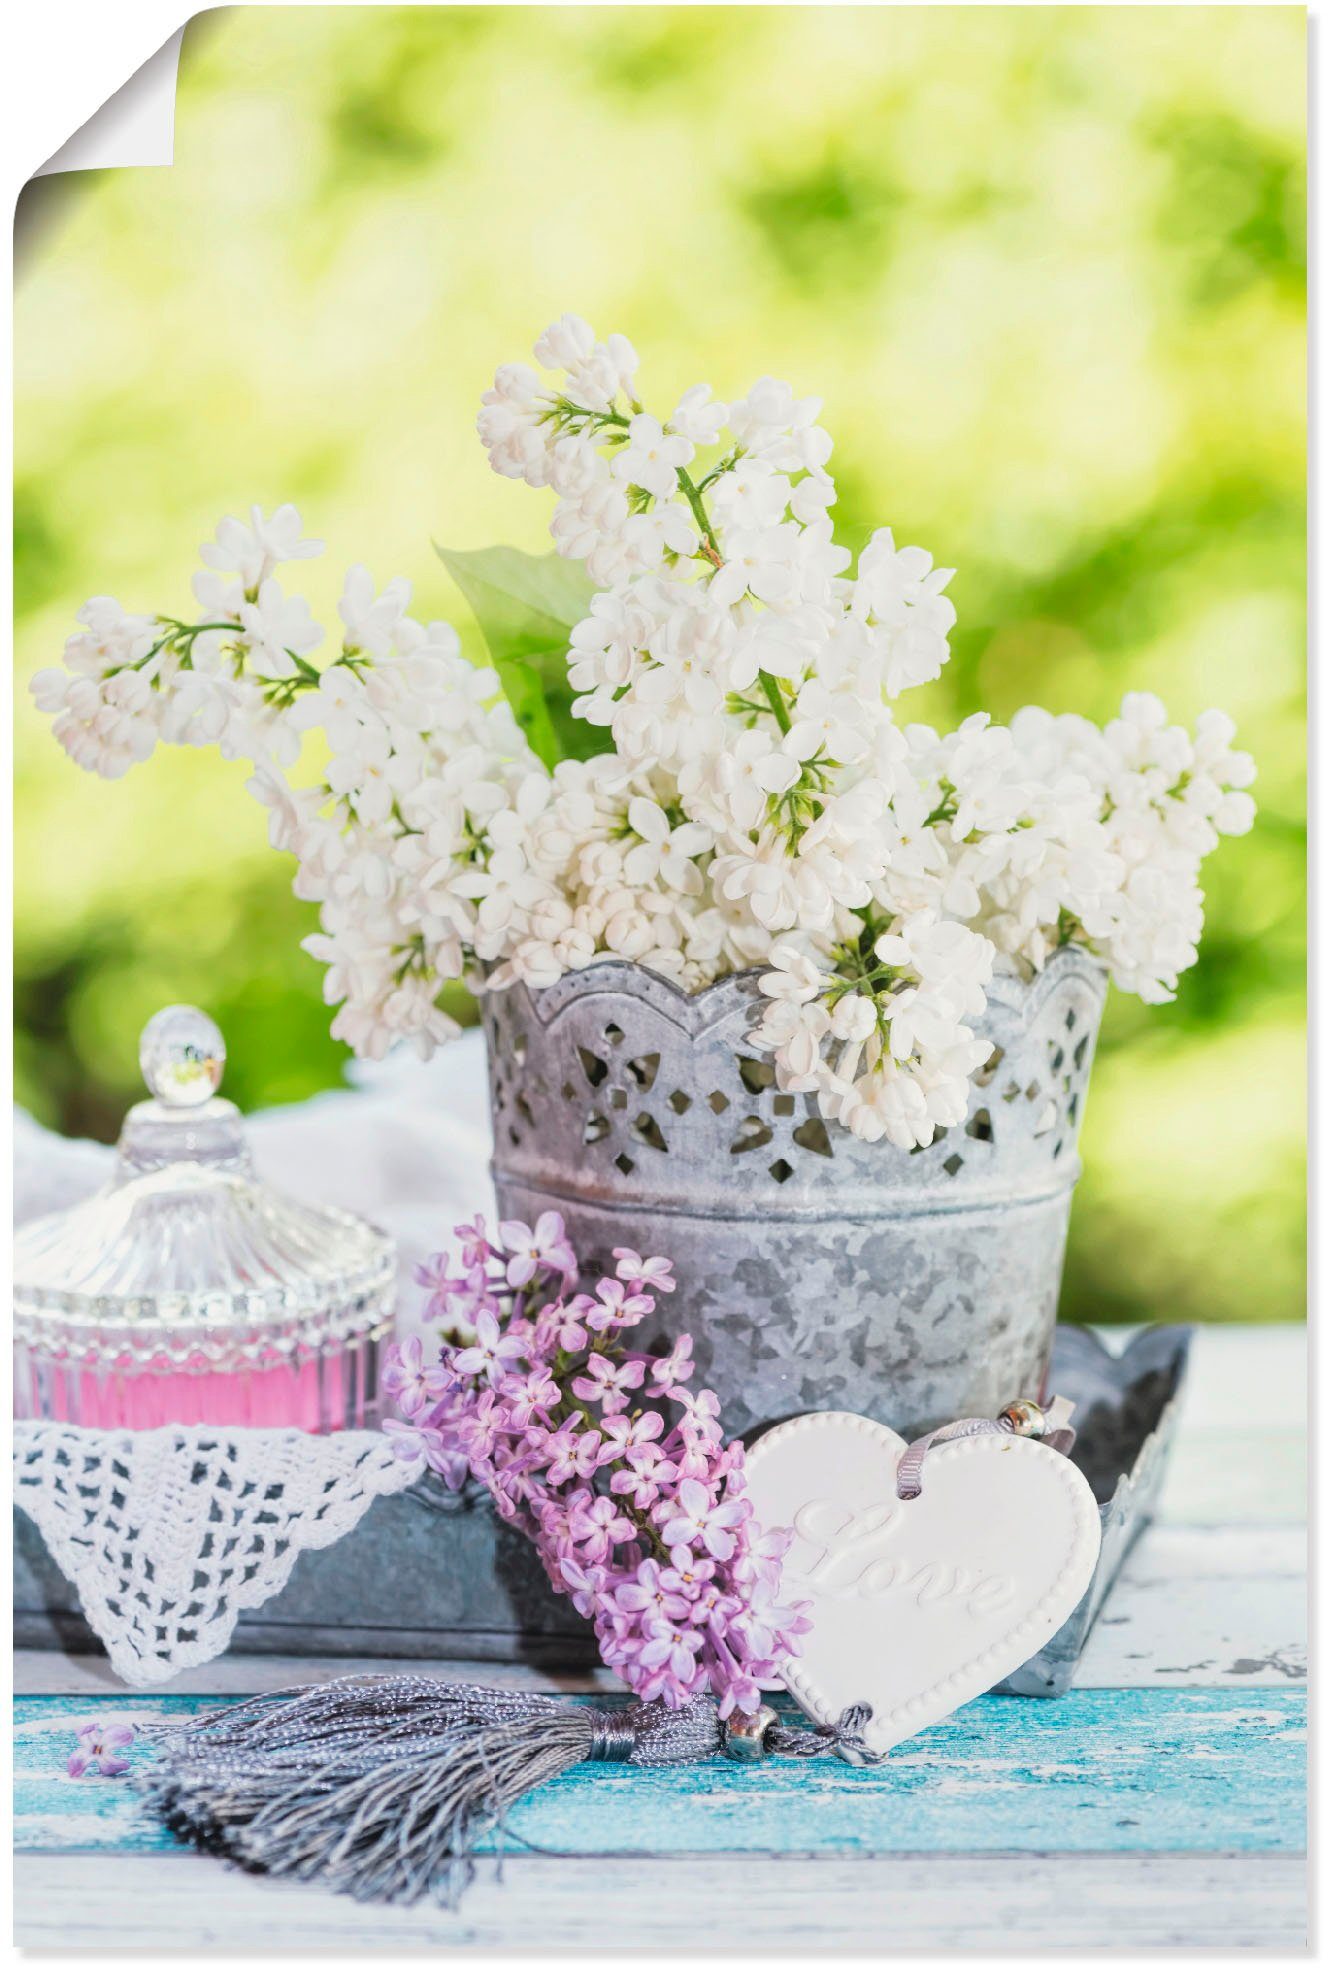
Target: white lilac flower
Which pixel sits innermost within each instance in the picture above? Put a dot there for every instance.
(772, 424)
(511, 424)
(290, 809)
(760, 807)
(370, 620)
(664, 852)
(256, 550)
(652, 456)
(110, 639)
(751, 494)
(207, 708)
(698, 415)
(758, 560)
(278, 629)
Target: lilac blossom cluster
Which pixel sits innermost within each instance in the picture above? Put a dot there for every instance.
(751, 798)
(603, 1455)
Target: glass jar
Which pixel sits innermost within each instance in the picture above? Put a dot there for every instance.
(186, 1290)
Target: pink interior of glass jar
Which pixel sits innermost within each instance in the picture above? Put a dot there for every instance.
(330, 1390)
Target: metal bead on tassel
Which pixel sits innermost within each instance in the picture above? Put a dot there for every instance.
(745, 1735)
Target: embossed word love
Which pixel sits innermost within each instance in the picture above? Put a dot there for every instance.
(840, 1549)
(919, 1605)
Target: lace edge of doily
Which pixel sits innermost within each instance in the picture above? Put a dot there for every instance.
(390, 1476)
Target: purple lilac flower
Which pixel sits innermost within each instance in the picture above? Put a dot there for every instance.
(453, 1300)
(530, 1396)
(551, 1446)
(609, 1382)
(585, 1583)
(698, 1519)
(473, 1244)
(644, 1476)
(481, 1427)
(740, 1690)
(677, 1364)
(491, 1351)
(762, 1623)
(416, 1442)
(408, 1439)
(578, 1457)
(703, 1413)
(647, 1593)
(761, 1562)
(653, 1273)
(410, 1381)
(545, 1248)
(596, 1525)
(617, 1471)
(672, 1651)
(633, 1432)
(558, 1329)
(616, 1306)
(687, 1573)
(99, 1744)
(512, 1484)
(432, 1273)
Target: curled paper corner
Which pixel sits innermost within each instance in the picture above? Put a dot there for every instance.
(135, 126)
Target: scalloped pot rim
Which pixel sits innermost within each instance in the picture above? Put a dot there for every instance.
(697, 1012)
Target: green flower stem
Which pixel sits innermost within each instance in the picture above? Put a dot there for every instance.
(775, 698)
(692, 492)
(701, 516)
(177, 632)
(718, 471)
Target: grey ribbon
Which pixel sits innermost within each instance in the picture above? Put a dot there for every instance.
(1057, 1434)
(842, 1738)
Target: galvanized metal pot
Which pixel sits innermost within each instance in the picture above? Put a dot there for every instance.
(814, 1270)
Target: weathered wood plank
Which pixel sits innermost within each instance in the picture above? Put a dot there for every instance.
(1241, 1455)
(1203, 1608)
(1245, 1376)
(1226, 1476)
(879, 1905)
(1195, 1769)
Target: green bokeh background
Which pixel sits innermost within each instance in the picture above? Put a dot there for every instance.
(1046, 267)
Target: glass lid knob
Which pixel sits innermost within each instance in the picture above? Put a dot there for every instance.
(182, 1056)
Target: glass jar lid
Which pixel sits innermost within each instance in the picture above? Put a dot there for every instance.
(184, 1241)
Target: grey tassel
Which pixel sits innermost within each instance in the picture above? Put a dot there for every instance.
(381, 1786)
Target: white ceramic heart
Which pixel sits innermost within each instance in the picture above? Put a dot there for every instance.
(919, 1606)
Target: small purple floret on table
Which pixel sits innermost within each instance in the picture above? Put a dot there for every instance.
(99, 1744)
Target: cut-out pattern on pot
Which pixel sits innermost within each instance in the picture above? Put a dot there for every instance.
(814, 1270)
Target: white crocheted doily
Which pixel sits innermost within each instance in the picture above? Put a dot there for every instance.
(169, 1534)
(122, 1514)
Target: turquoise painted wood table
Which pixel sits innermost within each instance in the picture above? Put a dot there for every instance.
(1160, 1803)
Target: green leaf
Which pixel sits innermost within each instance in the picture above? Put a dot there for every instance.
(527, 606)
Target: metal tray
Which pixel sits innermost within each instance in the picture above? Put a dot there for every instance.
(431, 1575)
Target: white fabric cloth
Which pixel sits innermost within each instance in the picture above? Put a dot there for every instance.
(169, 1534)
